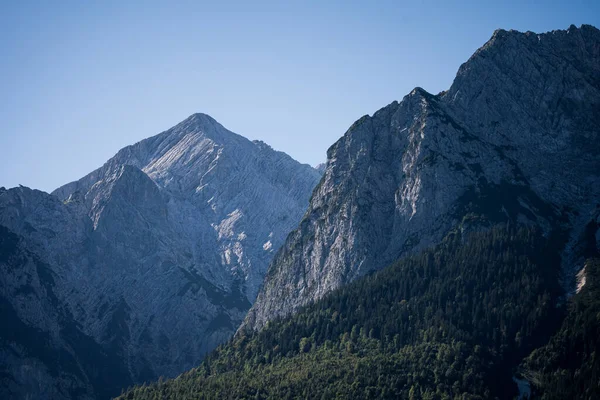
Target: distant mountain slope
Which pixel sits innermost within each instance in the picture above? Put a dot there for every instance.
(41, 344)
(515, 138)
(154, 257)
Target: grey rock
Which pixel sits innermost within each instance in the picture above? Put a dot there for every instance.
(321, 168)
(515, 138)
(157, 255)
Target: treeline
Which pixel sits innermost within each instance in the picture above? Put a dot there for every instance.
(449, 323)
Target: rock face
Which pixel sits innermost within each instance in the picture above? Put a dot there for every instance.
(516, 137)
(148, 262)
(321, 167)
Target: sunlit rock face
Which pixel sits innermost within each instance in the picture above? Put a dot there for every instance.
(515, 138)
(150, 261)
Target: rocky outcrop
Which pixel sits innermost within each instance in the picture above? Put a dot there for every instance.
(155, 257)
(516, 138)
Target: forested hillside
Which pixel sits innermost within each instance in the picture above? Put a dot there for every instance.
(451, 322)
(569, 366)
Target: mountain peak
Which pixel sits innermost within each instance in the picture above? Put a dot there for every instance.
(170, 238)
(200, 123)
(200, 119)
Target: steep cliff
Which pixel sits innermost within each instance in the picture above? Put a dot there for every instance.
(516, 138)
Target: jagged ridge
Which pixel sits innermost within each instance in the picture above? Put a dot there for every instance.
(514, 138)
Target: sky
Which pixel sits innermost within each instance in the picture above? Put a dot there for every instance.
(80, 80)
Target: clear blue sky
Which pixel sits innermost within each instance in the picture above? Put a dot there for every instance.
(80, 81)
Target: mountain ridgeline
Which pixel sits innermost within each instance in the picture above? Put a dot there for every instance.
(138, 269)
(450, 250)
(515, 138)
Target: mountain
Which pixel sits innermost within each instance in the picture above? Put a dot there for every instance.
(245, 192)
(139, 268)
(515, 138)
(450, 251)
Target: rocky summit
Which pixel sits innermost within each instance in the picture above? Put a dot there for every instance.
(515, 138)
(139, 268)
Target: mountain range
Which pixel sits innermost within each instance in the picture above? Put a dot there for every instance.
(449, 248)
